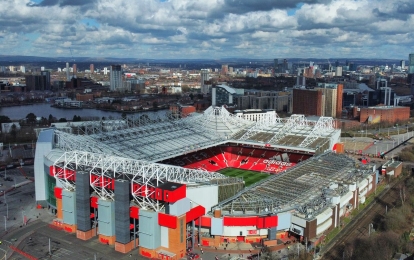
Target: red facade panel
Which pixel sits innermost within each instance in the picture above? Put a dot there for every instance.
(195, 213)
(58, 193)
(134, 212)
(52, 170)
(270, 222)
(94, 202)
(240, 221)
(175, 195)
(158, 194)
(205, 221)
(260, 223)
(166, 220)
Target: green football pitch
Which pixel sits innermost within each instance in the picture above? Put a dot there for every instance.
(249, 177)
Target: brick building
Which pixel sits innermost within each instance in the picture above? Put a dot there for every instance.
(308, 102)
(324, 100)
(380, 114)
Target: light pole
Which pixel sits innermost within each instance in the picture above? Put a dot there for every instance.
(5, 223)
(23, 216)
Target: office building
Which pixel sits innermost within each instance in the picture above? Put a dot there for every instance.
(411, 63)
(74, 69)
(222, 95)
(92, 68)
(38, 82)
(205, 86)
(308, 102)
(105, 71)
(115, 77)
(224, 69)
(402, 64)
(22, 69)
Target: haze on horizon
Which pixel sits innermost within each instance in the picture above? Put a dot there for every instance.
(188, 29)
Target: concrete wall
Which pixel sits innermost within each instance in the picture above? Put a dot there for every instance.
(207, 196)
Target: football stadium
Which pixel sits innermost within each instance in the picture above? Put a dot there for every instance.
(163, 184)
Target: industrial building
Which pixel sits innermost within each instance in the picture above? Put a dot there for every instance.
(152, 183)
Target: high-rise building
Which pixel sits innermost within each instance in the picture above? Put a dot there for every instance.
(411, 63)
(224, 69)
(46, 75)
(92, 68)
(67, 72)
(402, 64)
(205, 88)
(338, 71)
(308, 102)
(38, 82)
(42, 68)
(115, 77)
(105, 71)
(22, 69)
(75, 69)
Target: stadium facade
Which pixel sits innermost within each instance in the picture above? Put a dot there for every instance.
(153, 183)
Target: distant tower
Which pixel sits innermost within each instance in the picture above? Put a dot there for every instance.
(92, 68)
(115, 77)
(105, 71)
(75, 69)
(411, 63)
(67, 72)
(204, 78)
(224, 69)
(402, 64)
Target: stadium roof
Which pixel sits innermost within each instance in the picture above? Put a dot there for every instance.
(307, 188)
(157, 139)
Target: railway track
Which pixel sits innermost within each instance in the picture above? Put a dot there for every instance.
(359, 227)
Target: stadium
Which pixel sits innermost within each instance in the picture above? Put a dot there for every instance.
(163, 184)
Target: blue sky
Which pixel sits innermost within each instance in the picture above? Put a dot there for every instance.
(211, 29)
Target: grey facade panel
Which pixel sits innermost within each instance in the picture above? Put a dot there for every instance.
(180, 207)
(284, 220)
(83, 202)
(122, 219)
(272, 233)
(43, 147)
(69, 207)
(149, 230)
(217, 226)
(106, 217)
(164, 237)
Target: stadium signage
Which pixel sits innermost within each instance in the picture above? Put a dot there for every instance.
(277, 162)
(252, 232)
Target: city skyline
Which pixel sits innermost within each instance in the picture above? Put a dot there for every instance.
(214, 29)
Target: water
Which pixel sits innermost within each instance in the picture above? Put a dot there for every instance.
(44, 110)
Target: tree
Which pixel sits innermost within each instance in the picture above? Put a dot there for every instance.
(62, 120)
(124, 115)
(76, 118)
(4, 119)
(31, 118)
(51, 119)
(155, 104)
(13, 132)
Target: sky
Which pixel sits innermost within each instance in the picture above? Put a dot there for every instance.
(209, 29)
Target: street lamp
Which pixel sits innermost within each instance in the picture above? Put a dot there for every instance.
(23, 216)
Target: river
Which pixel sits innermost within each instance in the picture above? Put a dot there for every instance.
(44, 110)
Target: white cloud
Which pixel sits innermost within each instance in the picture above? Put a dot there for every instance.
(222, 28)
